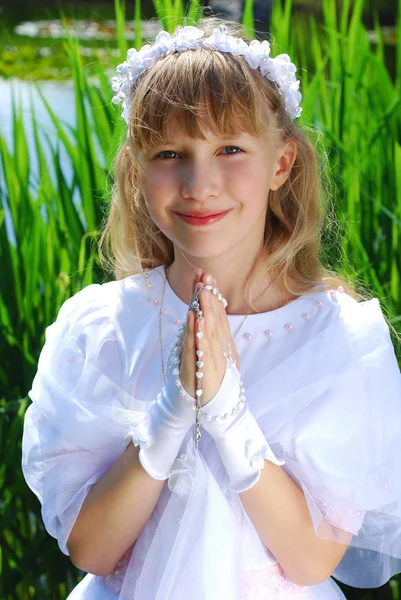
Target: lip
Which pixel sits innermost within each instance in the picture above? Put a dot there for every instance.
(202, 218)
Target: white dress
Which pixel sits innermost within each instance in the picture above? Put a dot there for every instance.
(322, 381)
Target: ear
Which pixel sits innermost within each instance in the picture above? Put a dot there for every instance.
(285, 158)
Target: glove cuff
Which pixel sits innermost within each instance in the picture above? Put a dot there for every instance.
(161, 433)
(243, 450)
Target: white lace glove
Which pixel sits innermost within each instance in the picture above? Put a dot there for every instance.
(161, 433)
(238, 437)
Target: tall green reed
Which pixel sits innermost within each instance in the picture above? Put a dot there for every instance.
(348, 96)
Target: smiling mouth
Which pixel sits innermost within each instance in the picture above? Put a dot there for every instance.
(201, 218)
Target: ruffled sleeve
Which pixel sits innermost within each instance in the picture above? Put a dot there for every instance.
(74, 428)
(337, 420)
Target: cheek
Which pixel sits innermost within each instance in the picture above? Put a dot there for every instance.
(157, 190)
(250, 183)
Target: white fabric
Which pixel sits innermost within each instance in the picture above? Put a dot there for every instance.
(162, 430)
(239, 439)
(326, 394)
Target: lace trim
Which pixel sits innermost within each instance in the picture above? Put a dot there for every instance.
(255, 585)
(114, 581)
(346, 519)
(270, 583)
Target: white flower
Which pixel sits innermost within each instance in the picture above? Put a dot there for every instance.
(188, 38)
(256, 51)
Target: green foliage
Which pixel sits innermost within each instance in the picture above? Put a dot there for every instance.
(348, 95)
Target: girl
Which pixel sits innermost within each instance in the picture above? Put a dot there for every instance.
(262, 454)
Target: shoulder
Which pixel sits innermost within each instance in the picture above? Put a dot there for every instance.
(109, 307)
(335, 306)
(363, 320)
(332, 320)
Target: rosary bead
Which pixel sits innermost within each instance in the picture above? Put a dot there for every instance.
(199, 393)
(215, 290)
(176, 372)
(199, 363)
(199, 335)
(199, 353)
(199, 374)
(219, 297)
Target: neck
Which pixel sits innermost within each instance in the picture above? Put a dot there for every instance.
(231, 274)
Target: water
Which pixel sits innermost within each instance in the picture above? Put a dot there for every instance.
(60, 96)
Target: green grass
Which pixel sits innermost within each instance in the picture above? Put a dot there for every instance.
(349, 96)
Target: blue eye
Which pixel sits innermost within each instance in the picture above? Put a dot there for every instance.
(165, 152)
(235, 148)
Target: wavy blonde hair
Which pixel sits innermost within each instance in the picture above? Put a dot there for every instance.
(237, 99)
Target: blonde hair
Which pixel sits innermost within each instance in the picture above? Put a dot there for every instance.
(178, 88)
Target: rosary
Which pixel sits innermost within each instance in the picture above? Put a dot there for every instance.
(199, 353)
(174, 359)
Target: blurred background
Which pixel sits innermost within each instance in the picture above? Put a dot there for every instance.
(59, 133)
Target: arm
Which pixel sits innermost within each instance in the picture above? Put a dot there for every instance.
(118, 506)
(274, 503)
(278, 510)
(113, 514)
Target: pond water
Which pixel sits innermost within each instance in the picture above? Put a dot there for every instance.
(61, 99)
(60, 96)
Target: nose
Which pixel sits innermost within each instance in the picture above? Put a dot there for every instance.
(201, 181)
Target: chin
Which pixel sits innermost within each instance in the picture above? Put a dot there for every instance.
(206, 250)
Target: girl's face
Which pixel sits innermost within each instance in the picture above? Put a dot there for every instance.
(185, 177)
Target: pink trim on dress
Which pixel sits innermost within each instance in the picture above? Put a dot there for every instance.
(269, 583)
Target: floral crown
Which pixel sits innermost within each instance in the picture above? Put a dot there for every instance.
(279, 70)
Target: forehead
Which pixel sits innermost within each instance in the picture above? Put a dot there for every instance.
(182, 126)
(177, 131)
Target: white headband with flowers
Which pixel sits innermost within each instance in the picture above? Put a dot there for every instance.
(279, 70)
